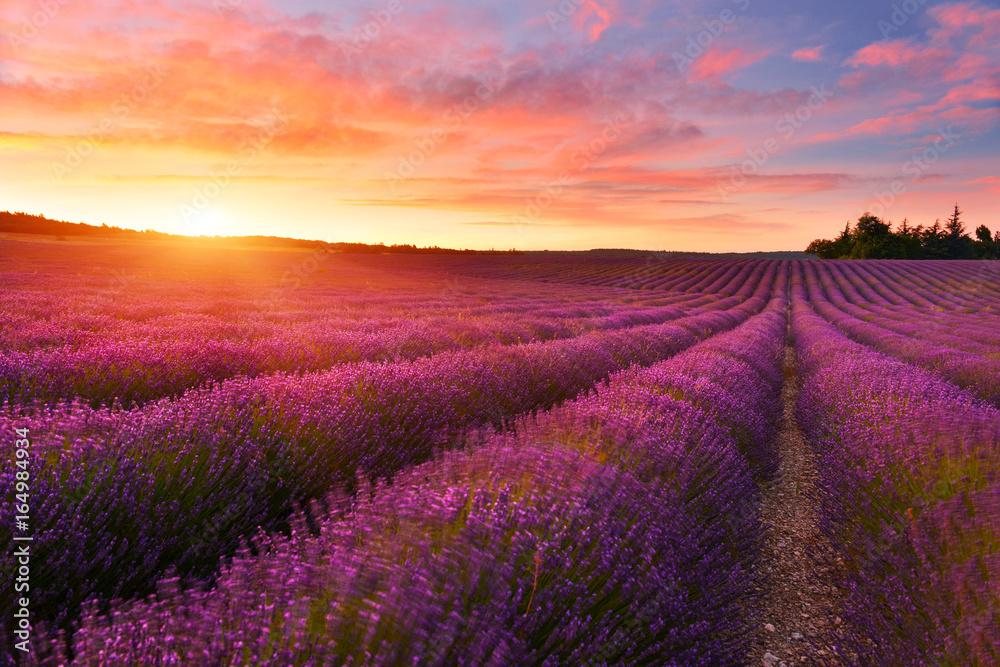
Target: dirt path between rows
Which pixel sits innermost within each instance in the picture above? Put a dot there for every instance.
(798, 605)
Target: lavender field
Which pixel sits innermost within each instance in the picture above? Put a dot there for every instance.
(537, 459)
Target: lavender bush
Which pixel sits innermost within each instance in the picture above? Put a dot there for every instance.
(909, 490)
(620, 528)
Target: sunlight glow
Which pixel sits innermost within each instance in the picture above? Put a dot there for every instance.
(213, 221)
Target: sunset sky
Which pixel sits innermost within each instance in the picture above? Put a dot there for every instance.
(733, 125)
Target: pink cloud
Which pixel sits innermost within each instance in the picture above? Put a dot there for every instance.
(974, 91)
(992, 181)
(957, 20)
(896, 123)
(717, 62)
(953, 69)
(893, 53)
(808, 54)
(595, 16)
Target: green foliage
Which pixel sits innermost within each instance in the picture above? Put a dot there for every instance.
(986, 246)
(873, 238)
(835, 249)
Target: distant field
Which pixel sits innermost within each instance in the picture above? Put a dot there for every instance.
(301, 457)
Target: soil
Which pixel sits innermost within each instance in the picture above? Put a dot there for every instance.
(797, 593)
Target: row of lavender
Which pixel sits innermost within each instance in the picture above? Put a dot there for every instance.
(924, 286)
(910, 499)
(950, 348)
(168, 354)
(661, 272)
(973, 303)
(75, 319)
(971, 332)
(709, 276)
(62, 309)
(889, 292)
(135, 371)
(620, 528)
(123, 496)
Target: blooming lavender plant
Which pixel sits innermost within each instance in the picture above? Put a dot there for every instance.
(239, 455)
(909, 488)
(946, 350)
(620, 528)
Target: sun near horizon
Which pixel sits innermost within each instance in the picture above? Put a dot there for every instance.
(726, 126)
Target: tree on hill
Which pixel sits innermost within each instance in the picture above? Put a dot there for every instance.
(910, 240)
(873, 238)
(934, 242)
(986, 246)
(957, 242)
(838, 247)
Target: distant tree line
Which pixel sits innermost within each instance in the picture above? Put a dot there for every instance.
(872, 238)
(408, 249)
(26, 223)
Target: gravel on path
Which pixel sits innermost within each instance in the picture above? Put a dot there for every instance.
(798, 599)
